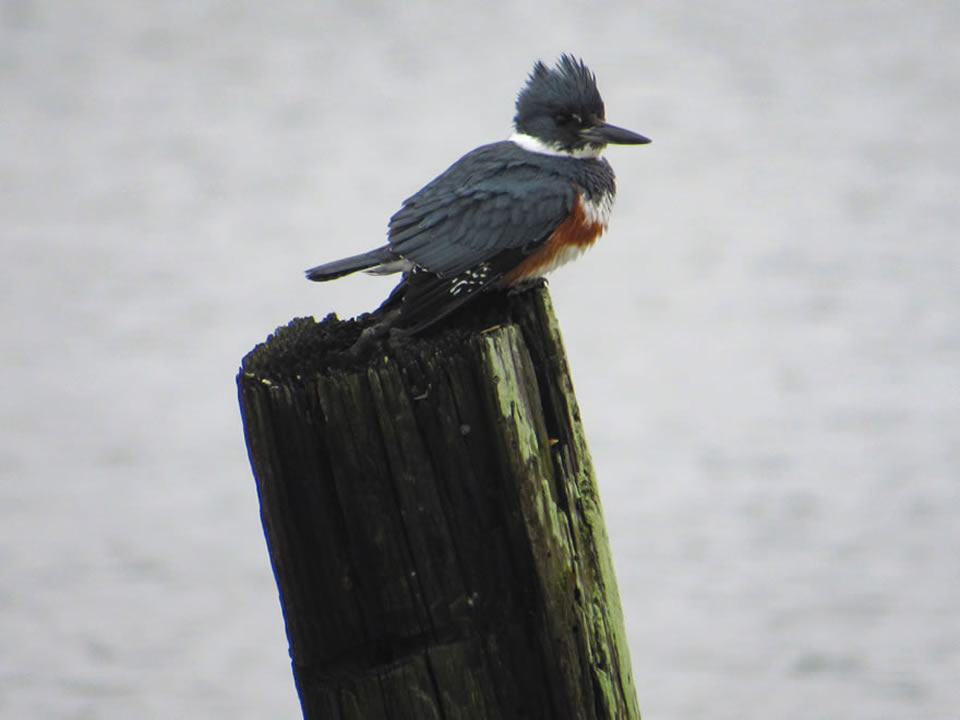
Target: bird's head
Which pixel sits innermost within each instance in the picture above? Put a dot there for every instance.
(560, 111)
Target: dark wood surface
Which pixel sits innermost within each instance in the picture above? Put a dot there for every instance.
(433, 521)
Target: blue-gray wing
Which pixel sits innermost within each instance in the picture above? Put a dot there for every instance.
(494, 199)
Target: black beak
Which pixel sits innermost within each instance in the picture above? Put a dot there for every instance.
(605, 134)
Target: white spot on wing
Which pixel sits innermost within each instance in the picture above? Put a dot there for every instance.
(469, 278)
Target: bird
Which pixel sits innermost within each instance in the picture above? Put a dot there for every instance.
(505, 213)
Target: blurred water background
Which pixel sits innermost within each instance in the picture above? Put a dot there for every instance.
(766, 345)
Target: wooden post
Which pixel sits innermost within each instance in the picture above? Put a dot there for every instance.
(433, 522)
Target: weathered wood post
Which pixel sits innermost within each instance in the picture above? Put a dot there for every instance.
(433, 522)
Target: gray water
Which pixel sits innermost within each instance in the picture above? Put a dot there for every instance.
(766, 345)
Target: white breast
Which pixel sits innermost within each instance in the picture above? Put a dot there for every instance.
(566, 254)
(598, 209)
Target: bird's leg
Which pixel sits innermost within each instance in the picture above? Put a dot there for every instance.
(525, 284)
(371, 336)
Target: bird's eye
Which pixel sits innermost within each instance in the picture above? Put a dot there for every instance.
(568, 119)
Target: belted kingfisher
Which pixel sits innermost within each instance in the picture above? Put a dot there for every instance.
(505, 212)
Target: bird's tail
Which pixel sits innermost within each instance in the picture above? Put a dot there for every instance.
(345, 266)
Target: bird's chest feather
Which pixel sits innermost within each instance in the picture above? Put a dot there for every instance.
(586, 222)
